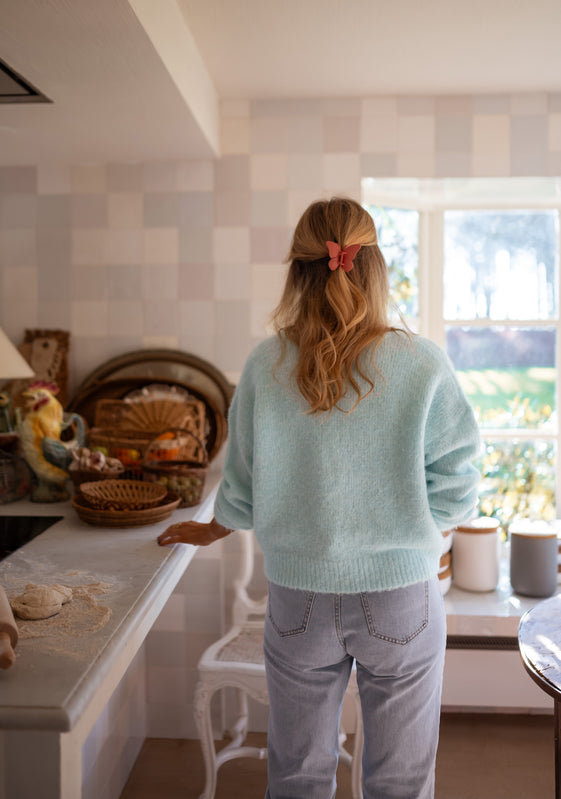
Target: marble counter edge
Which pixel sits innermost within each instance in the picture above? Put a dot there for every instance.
(120, 649)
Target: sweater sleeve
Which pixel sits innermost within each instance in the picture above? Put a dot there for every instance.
(233, 506)
(452, 442)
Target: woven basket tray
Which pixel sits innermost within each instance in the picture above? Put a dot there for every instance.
(122, 494)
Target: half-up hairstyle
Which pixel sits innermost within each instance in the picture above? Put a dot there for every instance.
(333, 317)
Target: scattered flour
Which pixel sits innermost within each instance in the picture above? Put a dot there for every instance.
(70, 630)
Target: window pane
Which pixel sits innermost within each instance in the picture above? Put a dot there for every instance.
(500, 264)
(398, 238)
(508, 374)
(518, 480)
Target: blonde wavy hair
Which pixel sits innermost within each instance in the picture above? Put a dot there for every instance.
(333, 317)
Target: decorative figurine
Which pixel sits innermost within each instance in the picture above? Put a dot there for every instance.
(41, 440)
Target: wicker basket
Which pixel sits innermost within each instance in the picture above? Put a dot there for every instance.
(123, 494)
(182, 475)
(126, 445)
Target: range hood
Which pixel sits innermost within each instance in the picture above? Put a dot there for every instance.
(16, 89)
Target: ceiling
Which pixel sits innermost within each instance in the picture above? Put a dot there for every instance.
(135, 80)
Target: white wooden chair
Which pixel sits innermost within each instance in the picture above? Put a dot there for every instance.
(236, 661)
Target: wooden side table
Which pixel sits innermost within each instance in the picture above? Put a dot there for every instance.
(539, 641)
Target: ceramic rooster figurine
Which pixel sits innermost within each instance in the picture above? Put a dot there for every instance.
(44, 450)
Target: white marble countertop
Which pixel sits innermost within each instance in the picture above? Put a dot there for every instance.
(57, 674)
(489, 613)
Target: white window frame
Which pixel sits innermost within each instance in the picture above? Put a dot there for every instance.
(431, 199)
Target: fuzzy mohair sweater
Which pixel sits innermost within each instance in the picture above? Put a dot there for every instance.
(350, 502)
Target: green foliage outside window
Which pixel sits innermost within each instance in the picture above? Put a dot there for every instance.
(517, 481)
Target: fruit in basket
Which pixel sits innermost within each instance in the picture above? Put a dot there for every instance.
(189, 488)
(86, 459)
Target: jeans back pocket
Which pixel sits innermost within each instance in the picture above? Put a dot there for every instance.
(398, 615)
(289, 609)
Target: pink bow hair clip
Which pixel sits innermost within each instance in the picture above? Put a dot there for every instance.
(341, 257)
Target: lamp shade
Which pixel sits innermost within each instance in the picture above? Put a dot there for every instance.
(12, 363)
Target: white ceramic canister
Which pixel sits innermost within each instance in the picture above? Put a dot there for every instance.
(534, 555)
(475, 555)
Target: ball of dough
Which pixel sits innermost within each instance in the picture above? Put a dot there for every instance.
(40, 601)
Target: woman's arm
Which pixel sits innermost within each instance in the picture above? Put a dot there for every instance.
(197, 533)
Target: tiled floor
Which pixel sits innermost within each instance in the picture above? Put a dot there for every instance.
(480, 757)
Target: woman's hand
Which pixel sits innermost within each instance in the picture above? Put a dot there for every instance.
(197, 533)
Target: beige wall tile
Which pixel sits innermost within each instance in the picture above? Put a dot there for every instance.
(419, 165)
(88, 179)
(341, 171)
(232, 281)
(161, 246)
(231, 245)
(554, 132)
(125, 210)
(90, 318)
(378, 134)
(491, 134)
(268, 171)
(234, 135)
(416, 134)
(125, 318)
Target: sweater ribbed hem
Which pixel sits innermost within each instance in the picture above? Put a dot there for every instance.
(381, 572)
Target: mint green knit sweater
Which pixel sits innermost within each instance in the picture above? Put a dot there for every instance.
(343, 503)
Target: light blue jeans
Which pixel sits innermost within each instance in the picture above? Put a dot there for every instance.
(397, 639)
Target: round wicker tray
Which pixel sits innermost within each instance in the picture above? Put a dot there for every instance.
(125, 518)
(122, 494)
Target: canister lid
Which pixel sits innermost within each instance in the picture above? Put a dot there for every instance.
(532, 529)
(484, 524)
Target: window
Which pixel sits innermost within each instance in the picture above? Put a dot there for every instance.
(474, 265)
